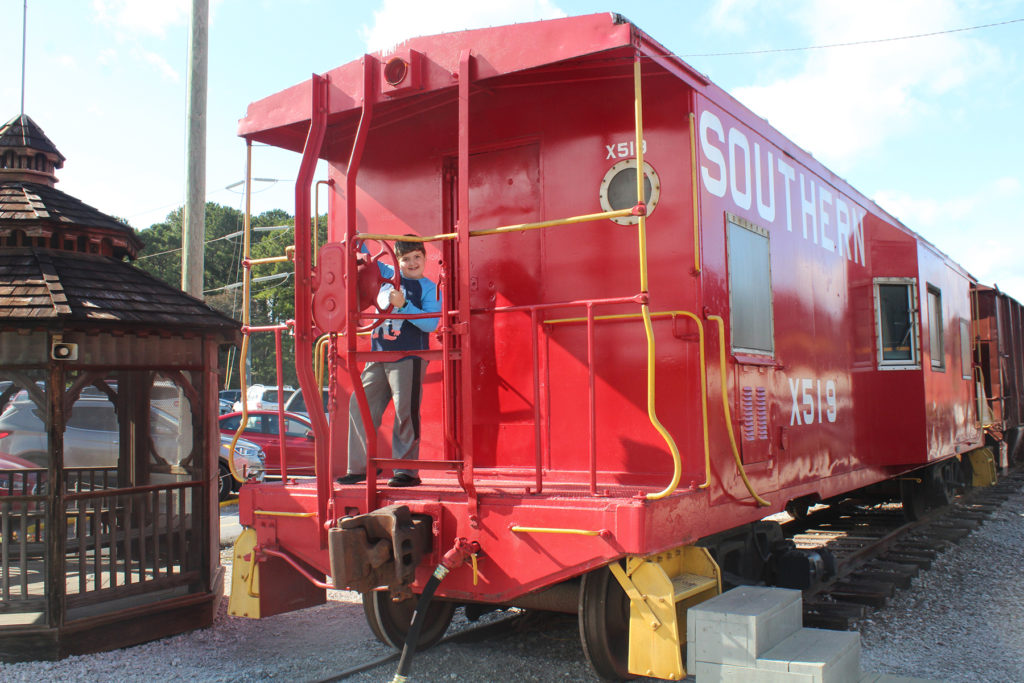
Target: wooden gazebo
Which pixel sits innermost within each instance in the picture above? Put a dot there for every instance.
(108, 433)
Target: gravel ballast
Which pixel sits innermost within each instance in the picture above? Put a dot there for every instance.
(962, 620)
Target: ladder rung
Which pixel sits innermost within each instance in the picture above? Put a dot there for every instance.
(420, 464)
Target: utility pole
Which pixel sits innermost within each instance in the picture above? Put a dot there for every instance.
(194, 217)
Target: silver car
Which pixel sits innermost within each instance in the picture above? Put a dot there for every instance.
(92, 438)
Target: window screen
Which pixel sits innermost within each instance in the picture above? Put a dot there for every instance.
(935, 323)
(896, 322)
(966, 361)
(750, 287)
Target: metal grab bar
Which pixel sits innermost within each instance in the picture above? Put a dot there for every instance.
(517, 227)
(728, 414)
(652, 415)
(696, 195)
(703, 368)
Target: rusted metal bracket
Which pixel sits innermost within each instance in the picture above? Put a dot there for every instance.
(380, 548)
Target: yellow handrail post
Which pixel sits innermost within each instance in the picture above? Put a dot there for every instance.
(696, 195)
(728, 414)
(677, 469)
(246, 272)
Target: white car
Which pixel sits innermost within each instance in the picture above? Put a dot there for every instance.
(263, 397)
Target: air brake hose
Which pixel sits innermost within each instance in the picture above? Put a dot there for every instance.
(455, 557)
(418, 617)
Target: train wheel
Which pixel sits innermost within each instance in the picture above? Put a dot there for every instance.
(914, 495)
(945, 481)
(604, 624)
(390, 620)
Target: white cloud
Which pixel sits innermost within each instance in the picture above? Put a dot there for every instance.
(848, 100)
(731, 16)
(399, 20)
(969, 228)
(160, 63)
(107, 56)
(142, 16)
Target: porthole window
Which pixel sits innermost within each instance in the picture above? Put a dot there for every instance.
(618, 189)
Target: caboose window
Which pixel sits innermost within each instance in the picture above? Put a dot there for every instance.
(618, 189)
(750, 286)
(936, 346)
(966, 361)
(896, 323)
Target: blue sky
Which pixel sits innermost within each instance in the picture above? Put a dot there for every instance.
(930, 128)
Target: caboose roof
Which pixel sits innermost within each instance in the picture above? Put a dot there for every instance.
(572, 48)
(282, 119)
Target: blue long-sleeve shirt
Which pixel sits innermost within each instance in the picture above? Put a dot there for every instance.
(412, 335)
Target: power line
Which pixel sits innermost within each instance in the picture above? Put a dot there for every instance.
(858, 42)
(262, 228)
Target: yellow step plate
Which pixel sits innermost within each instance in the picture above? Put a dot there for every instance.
(688, 585)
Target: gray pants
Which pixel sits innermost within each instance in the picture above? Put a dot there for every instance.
(402, 383)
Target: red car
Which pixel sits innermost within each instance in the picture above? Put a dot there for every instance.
(261, 428)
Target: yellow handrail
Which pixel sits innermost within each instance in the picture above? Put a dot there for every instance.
(273, 513)
(318, 358)
(553, 530)
(728, 414)
(696, 195)
(703, 369)
(677, 469)
(518, 227)
(244, 351)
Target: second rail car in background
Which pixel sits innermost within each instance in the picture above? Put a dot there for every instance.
(618, 390)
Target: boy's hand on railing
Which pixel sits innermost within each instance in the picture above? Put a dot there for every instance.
(397, 298)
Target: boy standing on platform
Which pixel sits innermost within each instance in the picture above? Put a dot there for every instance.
(398, 381)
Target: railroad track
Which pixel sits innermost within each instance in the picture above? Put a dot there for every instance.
(879, 553)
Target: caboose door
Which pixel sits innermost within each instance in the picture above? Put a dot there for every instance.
(503, 270)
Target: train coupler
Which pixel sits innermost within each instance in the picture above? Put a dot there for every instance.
(380, 548)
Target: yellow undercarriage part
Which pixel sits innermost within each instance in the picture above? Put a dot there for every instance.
(983, 464)
(660, 589)
(245, 578)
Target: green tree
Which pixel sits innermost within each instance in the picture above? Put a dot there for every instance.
(272, 299)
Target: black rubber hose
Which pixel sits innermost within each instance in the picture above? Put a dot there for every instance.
(418, 617)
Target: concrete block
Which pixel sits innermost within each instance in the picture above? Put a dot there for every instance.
(741, 624)
(825, 656)
(708, 672)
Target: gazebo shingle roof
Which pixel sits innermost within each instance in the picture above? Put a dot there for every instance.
(51, 287)
(32, 207)
(23, 132)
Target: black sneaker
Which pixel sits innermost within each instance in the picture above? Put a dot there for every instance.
(402, 479)
(355, 478)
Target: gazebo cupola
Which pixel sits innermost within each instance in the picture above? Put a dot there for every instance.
(26, 153)
(33, 213)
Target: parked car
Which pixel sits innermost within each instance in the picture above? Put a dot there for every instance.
(261, 428)
(18, 477)
(92, 438)
(250, 464)
(263, 397)
(224, 406)
(230, 394)
(297, 404)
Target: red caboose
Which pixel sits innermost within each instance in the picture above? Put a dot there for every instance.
(611, 379)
